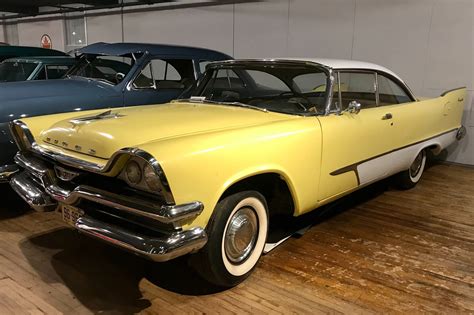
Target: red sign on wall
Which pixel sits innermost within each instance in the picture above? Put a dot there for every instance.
(46, 41)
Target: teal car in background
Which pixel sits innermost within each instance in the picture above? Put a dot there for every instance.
(35, 68)
(7, 52)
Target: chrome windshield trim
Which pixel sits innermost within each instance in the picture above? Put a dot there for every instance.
(114, 165)
(329, 91)
(216, 64)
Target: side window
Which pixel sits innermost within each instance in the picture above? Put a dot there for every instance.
(166, 74)
(390, 92)
(56, 72)
(163, 70)
(357, 86)
(144, 79)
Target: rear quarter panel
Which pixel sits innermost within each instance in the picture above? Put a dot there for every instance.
(428, 118)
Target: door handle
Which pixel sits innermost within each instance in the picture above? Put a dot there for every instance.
(387, 116)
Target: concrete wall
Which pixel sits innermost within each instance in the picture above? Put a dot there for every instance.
(30, 33)
(428, 42)
(104, 28)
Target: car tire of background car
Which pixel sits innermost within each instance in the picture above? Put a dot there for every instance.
(409, 178)
(237, 234)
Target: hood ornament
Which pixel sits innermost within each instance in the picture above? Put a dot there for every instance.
(85, 120)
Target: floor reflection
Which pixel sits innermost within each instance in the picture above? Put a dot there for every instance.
(107, 280)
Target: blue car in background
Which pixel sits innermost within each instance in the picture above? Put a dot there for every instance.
(105, 75)
(35, 68)
(7, 51)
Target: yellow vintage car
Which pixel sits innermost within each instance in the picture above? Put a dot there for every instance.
(206, 174)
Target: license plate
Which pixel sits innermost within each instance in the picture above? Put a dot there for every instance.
(71, 214)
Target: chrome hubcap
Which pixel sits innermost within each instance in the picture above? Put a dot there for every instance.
(241, 235)
(416, 166)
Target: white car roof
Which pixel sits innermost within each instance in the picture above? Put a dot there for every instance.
(345, 64)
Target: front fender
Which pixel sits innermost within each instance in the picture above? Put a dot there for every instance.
(200, 167)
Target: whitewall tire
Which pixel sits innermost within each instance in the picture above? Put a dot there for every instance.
(409, 178)
(237, 234)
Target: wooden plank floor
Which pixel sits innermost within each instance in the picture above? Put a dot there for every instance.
(381, 250)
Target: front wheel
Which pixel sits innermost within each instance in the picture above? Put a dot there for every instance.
(409, 178)
(237, 235)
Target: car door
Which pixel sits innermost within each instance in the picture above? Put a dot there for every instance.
(352, 140)
(161, 80)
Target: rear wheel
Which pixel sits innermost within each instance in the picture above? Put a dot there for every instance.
(409, 178)
(237, 236)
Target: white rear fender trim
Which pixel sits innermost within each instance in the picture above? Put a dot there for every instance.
(390, 163)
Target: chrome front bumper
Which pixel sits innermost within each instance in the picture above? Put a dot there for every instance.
(36, 185)
(37, 172)
(157, 249)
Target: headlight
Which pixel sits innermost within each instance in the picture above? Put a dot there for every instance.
(133, 172)
(151, 179)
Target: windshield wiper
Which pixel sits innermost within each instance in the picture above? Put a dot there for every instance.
(200, 99)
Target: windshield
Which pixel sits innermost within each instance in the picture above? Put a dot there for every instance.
(281, 87)
(11, 71)
(110, 69)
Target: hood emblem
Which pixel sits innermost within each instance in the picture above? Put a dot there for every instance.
(85, 120)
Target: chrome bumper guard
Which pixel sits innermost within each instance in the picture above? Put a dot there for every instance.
(32, 193)
(7, 171)
(157, 249)
(39, 189)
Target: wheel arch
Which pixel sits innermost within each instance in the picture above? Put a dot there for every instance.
(435, 148)
(273, 184)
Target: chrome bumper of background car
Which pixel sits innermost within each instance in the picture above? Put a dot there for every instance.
(38, 187)
(158, 249)
(7, 171)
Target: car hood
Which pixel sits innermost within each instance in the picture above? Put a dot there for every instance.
(17, 91)
(107, 131)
